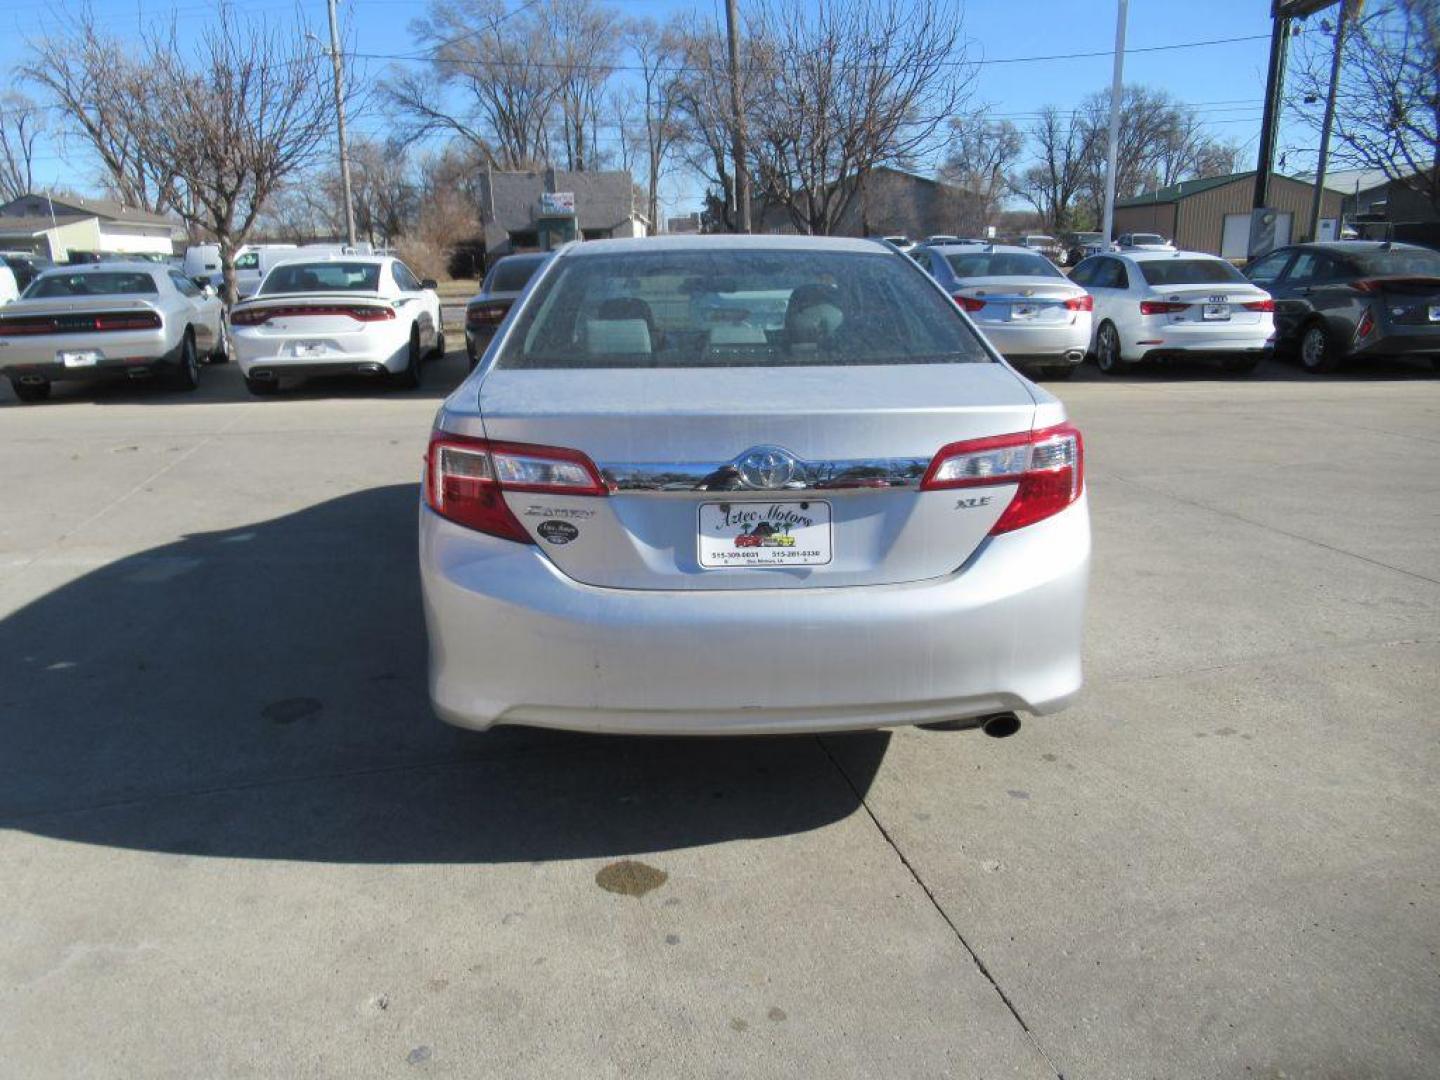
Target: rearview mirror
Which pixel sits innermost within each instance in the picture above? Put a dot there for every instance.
(429, 283)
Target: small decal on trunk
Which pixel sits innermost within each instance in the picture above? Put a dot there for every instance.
(557, 532)
(972, 502)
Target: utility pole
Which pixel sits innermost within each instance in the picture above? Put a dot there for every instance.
(1326, 124)
(742, 176)
(1112, 150)
(338, 65)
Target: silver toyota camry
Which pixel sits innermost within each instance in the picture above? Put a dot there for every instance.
(748, 484)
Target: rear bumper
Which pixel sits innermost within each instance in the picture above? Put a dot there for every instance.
(259, 355)
(127, 360)
(1409, 341)
(514, 641)
(1039, 345)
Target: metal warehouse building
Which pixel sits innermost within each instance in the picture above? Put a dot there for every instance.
(1214, 214)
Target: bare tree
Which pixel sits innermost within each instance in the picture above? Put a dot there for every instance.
(657, 54)
(977, 166)
(701, 94)
(22, 123)
(100, 88)
(252, 111)
(583, 46)
(1387, 108)
(386, 196)
(1063, 143)
(848, 86)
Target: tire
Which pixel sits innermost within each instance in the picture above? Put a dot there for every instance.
(410, 378)
(187, 373)
(438, 353)
(1240, 365)
(30, 392)
(262, 387)
(1107, 350)
(221, 353)
(1318, 350)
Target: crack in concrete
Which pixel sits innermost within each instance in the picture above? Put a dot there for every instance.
(940, 910)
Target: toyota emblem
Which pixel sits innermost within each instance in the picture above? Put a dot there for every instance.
(766, 468)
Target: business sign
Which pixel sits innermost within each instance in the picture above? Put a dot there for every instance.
(557, 202)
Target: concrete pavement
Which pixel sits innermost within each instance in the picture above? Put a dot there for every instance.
(236, 843)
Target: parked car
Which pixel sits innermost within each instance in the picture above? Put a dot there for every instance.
(253, 262)
(1017, 298)
(1143, 241)
(110, 320)
(586, 486)
(23, 267)
(943, 238)
(486, 310)
(1159, 306)
(1352, 299)
(9, 287)
(903, 244)
(1077, 245)
(1044, 245)
(337, 314)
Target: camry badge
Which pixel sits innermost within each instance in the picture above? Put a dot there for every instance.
(766, 468)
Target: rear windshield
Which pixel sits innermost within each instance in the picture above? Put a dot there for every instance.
(322, 277)
(1189, 272)
(1002, 264)
(511, 275)
(1146, 238)
(1381, 263)
(114, 283)
(738, 308)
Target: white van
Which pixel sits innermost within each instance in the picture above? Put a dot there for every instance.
(254, 262)
(203, 260)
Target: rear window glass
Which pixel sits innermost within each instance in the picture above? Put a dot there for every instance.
(1002, 264)
(1188, 272)
(322, 277)
(92, 284)
(1381, 263)
(737, 308)
(511, 275)
(1146, 238)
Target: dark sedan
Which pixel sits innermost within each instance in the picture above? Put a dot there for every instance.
(1352, 299)
(486, 310)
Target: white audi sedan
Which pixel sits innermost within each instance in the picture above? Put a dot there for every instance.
(110, 320)
(1028, 309)
(748, 484)
(337, 315)
(1164, 306)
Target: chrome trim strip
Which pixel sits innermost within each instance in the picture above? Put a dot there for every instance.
(808, 476)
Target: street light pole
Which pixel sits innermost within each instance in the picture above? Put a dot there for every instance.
(1326, 124)
(1112, 150)
(742, 177)
(338, 65)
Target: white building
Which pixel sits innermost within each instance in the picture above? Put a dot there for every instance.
(56, 226)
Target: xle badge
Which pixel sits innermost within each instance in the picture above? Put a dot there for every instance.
(972, 502)
(557, 532)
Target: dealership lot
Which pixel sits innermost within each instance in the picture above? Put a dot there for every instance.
(236, 842)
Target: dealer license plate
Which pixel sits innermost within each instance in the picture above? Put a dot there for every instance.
(1023, 311)
(310, 348)
(764, 534)
(87, 358)
(1216, 311)
(1435, 312)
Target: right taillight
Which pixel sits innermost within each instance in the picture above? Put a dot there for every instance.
(970, 303)
(1161, 307)
(485, 315)
(1081, 303)
(1259, 305)
(1047, 467)
(466, 478)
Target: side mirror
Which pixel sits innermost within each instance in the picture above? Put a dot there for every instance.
(429, 283)
(207, 290)
(203, 280)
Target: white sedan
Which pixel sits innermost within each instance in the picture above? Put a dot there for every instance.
(1033, 316)
(335, 315)
(110, 320)
(1159, 306)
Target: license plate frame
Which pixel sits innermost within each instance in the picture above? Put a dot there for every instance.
(1024, 312)
(786, 532)
(80, 358)
(1215, 313)
(307, 349)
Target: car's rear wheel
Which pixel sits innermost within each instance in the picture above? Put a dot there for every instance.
(410, 378)
(29, 392)
(1107, 349)
(262, 387)
(221, 353)
(1319, 351)
(438, 353)
(187, 373)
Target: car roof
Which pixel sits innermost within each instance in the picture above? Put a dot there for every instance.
(726, 242)
(106, 267)
(300, 255)
(972, 249)
(1162, 256)
(1350, 247)
(522, 256)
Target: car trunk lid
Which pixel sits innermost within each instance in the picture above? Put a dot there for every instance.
(849, 444)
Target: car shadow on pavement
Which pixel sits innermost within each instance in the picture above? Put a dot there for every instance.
(1380, 369)
(260, 693)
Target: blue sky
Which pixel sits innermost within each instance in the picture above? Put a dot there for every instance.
(1225, 82)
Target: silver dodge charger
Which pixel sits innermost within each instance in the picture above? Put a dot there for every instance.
(749, 484)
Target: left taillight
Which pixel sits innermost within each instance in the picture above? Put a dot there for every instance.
(466, 478)
(1047, 466)
(140, 320)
